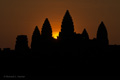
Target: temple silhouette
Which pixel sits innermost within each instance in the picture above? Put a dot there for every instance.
(70, 54)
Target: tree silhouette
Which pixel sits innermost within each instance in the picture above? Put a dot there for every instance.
(67, 27)
(85, 35)
(102, 35)
(35, 44)
(46, 32)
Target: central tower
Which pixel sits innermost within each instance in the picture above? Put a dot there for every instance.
(67, 27)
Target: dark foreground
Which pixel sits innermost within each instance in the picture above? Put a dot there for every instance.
(34, 67)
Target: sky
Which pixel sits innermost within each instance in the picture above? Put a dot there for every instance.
(19, 17)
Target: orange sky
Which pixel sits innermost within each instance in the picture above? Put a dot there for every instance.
(18, 17)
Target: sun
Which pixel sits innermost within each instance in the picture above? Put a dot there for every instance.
(55, 34)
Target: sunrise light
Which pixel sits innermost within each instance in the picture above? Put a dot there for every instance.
(55, 35)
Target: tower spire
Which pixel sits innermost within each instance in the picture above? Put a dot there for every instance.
(35, 44)
(85, 34)
(67, 27)
(102, 35)
(46, 29)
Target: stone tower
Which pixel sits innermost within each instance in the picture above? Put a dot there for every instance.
(102, 35)
(67, 27)
(35, 44)
(46, 32)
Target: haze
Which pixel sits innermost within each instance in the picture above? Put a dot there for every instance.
(19, 17)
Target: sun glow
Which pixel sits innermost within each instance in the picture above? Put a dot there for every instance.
(55, 34)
